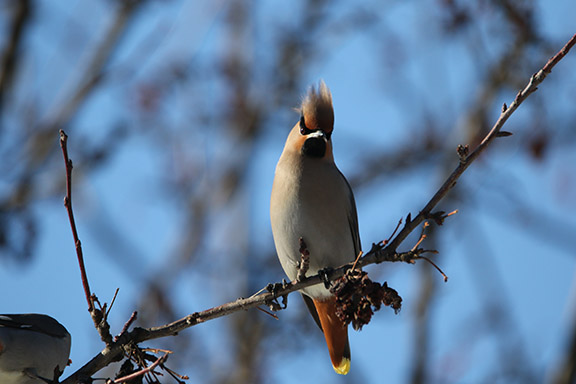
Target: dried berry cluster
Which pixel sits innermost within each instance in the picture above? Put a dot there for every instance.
(358, 297)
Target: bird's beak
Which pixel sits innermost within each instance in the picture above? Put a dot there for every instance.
(318, 134)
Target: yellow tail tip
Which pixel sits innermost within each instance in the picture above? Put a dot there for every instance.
(343, 367)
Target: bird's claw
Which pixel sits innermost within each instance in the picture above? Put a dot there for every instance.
(324, 274)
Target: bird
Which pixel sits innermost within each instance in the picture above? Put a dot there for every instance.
(34, 348)
(312, 200)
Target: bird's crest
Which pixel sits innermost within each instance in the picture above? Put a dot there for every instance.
(317, 109)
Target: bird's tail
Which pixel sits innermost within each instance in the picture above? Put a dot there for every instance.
(336, 334)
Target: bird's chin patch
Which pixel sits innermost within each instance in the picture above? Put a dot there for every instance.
(314, 147)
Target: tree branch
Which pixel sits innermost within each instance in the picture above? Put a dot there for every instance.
(380, 252)
(68, 205)
(98, 315)
(466, 160)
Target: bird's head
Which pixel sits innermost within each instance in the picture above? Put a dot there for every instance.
(311, 135)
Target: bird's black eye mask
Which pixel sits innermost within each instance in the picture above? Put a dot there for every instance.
(304, 130)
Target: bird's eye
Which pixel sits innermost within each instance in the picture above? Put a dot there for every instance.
(303, 129)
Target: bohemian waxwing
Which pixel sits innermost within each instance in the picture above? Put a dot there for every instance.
(32, 347)
(312, 200)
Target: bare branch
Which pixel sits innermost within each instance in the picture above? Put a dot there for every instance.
(99, 315)
(531, 87)
(381, 252)
(68, 205)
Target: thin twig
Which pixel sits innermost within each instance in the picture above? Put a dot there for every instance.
(357, 258)
(268, 313)
(112, 302)
(434, 265)
(127, 325)
(68, 205)
(98, 315)
(422, 236)
(384, 242)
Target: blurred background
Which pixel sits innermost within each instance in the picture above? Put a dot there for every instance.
(177, 112)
